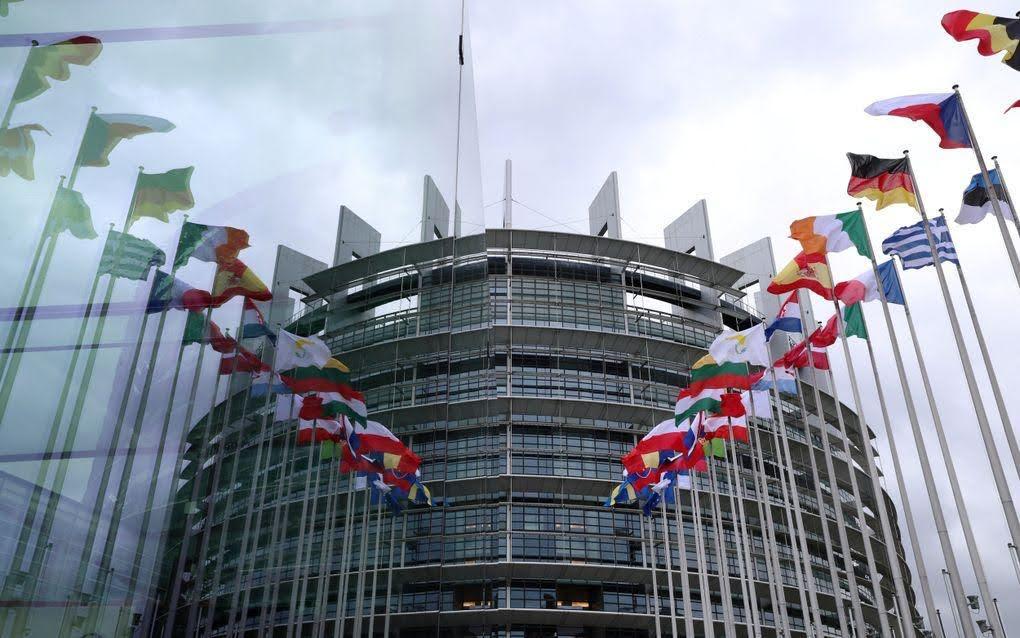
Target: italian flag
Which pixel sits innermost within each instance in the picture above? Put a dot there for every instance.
(214, 244)
(863, 287)
(832, 233)
(198, 330)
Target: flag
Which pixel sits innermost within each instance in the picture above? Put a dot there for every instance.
(688, 404)
(884, 181)
(993, 33)
(911, 244)
(832, 233)
(106, 130)
(419, 494)
(805, 271)
(797, 357)
(287, 407)
(293, 351)
(864, 287)
(52, 62)
(213, 244)
(320, 430)
(265, 382)
(1012, 106)
(853, 321)
(129, 257)
(235, 279)
(197, 329)
(707, 374)
(786, 380)
(622, 494)
(332, 377)
(787, 319)
(660, 444)
(253, 324)
(159, 194)
(375, 441)
(977, 204)
(715, 447)
(70, 212)
(169, 292)
(329, 405)
(826, 335)
(748, 346)
(726, 428)
(241, 360)
(17, 150)
(756, 403)
(941, 111)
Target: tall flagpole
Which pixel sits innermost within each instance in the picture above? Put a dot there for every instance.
(669, 563)
(652, 560)
(375, 566)
(297, 588)
(701, 550)
(326, 553)
(340, 622)
(681, 533)
(389, 578)
(1005, 191)
(1006, 240)
(934, 501)
(9, 111)
(740, 541)
(720, 547)
(359, 600)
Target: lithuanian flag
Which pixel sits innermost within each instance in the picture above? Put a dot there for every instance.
(883, 181)
(51, 62)
(805, 271)
(159, 194)
(993, 33)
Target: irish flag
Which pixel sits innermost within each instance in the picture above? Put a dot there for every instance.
(832, 233)
(214, 244)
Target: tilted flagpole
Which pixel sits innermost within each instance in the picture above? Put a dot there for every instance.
(328, 543)
(389, 576)
(740, 542)
(1006, 240)
(340, 622)
(359, 604)
(669, 563)
(1005, 191)
(702, 555)
(304, 522)
(375, 566)
(654, 598)
(681, 533)
(720, 548)
(9, 111)
(934, 501)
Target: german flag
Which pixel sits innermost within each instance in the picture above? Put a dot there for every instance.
(993, 33)
(886, 181)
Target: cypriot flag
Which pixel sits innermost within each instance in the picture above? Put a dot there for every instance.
(293, 351)
(744, 346)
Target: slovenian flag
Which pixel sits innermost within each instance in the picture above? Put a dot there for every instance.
(977, 204)
(253, 324)
(943, 112)
(787, 319)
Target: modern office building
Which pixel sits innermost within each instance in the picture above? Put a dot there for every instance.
(520, 365)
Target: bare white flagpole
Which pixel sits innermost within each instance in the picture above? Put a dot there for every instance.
(359, 599)
(934, 501)
(681, 533)
(389, 575)
(741, 542)
(702, 553)
(326, 548)
(655, 581)
(726, 591)
(302, 522)
(1006, 239)
(340, 621)
(375, 565)
(669, 562)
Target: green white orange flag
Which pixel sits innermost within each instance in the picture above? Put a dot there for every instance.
(106, 130)
(214, 244)
(832, 233)
(159, 194)
(17, 150)
(51, 62)
(70, 212)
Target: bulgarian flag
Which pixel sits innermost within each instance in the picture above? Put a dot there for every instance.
(159, 194)
(106, 130)
(332, 377)
(51, 62)
(832, 233)
(235, 279)
(706, 374)
(213, 244)
(807, 270)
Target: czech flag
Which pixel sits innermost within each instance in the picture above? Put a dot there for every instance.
(941, 111)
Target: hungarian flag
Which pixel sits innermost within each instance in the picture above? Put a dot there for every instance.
(884, 181)
(993, 33)
(159, 194)
(864, 287)
(129, 257)
(689, 403)
(106, 130)
(853, 321)
(213, 244)
(235, 279)
(17, 150)
(832, 233)
(253, 324)
(201, 331)
(330, 405)
(332, 377)
(977, 203)
(707, 374)
(169, 292)
(807, 271)
(941, 111)
(70, 212)
(52, 62)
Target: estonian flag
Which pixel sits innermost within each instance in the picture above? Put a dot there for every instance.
(977, 204)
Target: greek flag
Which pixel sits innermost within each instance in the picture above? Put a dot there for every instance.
(911, 244)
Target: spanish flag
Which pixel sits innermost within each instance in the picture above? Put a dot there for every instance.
(234, 279)
(805, 271)
(993, 33)
(884, 181)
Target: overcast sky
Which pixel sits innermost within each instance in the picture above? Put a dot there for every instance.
(749, 105)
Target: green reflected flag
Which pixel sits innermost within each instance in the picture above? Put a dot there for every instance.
(157, 195)
(51, 62)
(106, 130)
(853, 319)
(70, 212)
(129, 257)
(715, 447)
(17, 150)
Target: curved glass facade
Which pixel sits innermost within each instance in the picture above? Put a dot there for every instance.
(521, 365)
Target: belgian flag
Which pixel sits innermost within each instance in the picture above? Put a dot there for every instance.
(993, 33)
(885, 181)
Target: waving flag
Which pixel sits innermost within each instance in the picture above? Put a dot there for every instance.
(234, 279)
(129, 257)
(911, 244)
(941, 111)
(106, 130)
(253, 324)
(786, 380)
(17, 150)
(51, 62)
(853, 321)
(660, 443)
(884, 181)
(169, 292)
(707, 374)
(213, 244)
(864, 287)
(159, 194)
(70, 212)
(747, 346)
(832, 233)
(977, 204)
(994, 34)
(787, 319)
(797, 357)
(807, 271)
(201, 331)
(826, 335)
